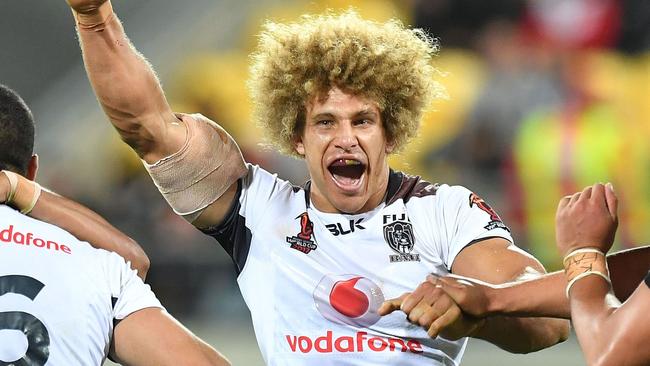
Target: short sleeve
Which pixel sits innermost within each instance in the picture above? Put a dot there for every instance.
(255, 192)
(466, 218)
(129, 293)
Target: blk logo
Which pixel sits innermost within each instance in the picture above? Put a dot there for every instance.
(338, 229)
(348, 299)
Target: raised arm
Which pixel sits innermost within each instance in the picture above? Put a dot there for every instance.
(125, 84)
(75, 218)
(609, 333)
(542, 296)
(194, 163)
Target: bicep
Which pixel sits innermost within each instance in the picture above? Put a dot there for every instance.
(217, 211)
(495, 260)
(153, 337)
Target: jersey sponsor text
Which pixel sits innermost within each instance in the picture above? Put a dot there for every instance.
(11, 235)
(344, 344)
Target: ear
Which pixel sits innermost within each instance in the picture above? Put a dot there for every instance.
(299, 146)
(390, 146)
(32, 167)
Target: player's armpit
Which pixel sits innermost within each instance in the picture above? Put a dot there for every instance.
(152, 337)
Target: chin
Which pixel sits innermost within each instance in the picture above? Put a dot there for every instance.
(350, 205)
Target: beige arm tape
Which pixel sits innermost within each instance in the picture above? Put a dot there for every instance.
(23, 193)
(584, 262)
(201, 171)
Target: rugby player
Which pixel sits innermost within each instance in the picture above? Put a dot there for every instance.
(316, 262)
(63, 302)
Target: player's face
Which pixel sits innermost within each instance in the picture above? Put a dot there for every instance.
(344, 145)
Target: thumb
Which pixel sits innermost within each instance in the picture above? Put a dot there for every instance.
(391, 305)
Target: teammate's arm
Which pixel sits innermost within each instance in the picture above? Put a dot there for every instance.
(131, 96)
(81, 222)
(498, 261)
(609, 333)
(152, 337)
(542, 296)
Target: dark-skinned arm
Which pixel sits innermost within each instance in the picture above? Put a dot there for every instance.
(83, 223)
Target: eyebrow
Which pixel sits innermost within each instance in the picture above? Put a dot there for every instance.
(367, 112)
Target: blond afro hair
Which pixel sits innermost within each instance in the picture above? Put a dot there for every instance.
(385, 62)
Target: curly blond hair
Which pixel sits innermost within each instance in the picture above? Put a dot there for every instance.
(385, 62)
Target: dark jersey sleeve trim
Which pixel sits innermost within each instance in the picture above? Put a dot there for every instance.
(647, 279)
(476, 241)
(232, 233)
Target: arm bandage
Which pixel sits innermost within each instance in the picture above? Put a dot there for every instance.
(584, 262)
(201, 171)
(23, 193)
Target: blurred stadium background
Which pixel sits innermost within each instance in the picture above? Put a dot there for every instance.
(544, 97)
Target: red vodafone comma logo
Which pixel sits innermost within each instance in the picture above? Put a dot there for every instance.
(348, 299)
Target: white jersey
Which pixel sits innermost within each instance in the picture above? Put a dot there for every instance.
(314, 281)
(59, 297)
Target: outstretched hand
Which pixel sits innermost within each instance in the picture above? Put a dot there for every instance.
(435, 311)
(587, 219)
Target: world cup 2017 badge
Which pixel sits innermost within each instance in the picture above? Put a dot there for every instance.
(303, 242)
(400, 238)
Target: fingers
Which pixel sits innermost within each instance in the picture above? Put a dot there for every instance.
(612, 201)
(574, 198)
(586, 193)
(564, 201)
(391, 305)
(430, 308)
(443, 321)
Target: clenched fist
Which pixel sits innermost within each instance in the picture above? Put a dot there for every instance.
(587, 219)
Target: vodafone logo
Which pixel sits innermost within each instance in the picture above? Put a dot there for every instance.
(348, 299)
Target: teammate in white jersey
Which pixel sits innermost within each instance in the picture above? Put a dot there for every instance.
(315, 263)
(63, 302)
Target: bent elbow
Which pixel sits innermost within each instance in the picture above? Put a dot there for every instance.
(557, 331)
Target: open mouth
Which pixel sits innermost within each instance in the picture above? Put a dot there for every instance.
(347, 173)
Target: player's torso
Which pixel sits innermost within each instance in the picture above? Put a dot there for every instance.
(314, 281)
(53, 311)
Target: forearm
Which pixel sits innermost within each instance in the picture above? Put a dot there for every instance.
(126, 85)
(540, 297)
(523, 334)
(590, 309)
(545, 296)
(86, 225)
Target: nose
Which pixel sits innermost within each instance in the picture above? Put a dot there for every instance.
(345, 138)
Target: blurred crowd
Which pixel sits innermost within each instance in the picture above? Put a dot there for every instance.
(543, 97)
